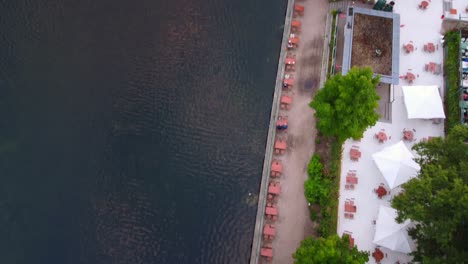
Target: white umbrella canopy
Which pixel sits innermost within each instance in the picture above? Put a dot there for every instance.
(396, 164)
(423, 102)
(390, 234)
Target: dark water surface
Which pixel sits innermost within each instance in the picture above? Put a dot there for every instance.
(133, 131)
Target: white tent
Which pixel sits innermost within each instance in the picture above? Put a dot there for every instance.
(423, 102)
(396, 164)
(390, 234)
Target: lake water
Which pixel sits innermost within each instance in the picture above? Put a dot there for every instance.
(133, 131)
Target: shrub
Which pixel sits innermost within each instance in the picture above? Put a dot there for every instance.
(452, 64)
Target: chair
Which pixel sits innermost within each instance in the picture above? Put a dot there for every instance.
(438, 69)
(349, 216)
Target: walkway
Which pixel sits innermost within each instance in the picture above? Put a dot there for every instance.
(294, 223)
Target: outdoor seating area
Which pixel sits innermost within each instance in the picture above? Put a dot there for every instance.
(295, 26)
(286, 102)
(288, 81)
(409, 47)
(381, 136)
(274, 188)
(276, 168)
(282, 123)
(408, 134)
(351, 180)
(378, 255)
(434, 68)
(381, 191)
(354, 153)
(409, 77)
(350, 237)
(349, 209)
(429, 47)
(293, 41)
(298, 10)
(424, 5)
(280, 147)
(389, 161)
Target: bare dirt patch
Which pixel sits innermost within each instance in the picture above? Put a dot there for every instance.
(371, 34)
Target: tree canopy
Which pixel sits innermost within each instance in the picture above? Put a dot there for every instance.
(437, 200)
(346, 106)
(332, 249)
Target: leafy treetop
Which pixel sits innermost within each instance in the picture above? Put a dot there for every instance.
(437, 201)
(346, 106)
(332, 249)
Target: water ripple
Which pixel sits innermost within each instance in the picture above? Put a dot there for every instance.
(135, 130)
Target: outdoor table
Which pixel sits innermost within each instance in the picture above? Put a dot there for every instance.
(351, 241)
(294, 40)
(432, 67)
(350, 207)
(296, 24)
(280, 144)
(381, 136)
(274, 189)
(381, 191)
(290, 61)
(355, 154)
(430, 47)
(410, 77)
(269, 230)
(271, 210)
(350, 237)
(408, 134)
(266, 252)
(298, 8)
(349, 215)
(351, 179)
(378, 255)
(409, 48)
(286, 99)
(277, 166)
(289, 81)
(290, 67)
(282, 122)
(424, 4)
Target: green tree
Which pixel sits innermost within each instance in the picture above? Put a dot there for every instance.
(332, 249)
(346, 106)
(437, 200)
(316, 187)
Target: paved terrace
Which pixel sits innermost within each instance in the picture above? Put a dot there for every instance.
(294, 223)
(419, 26)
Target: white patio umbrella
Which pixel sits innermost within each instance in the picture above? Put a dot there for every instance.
(423, 102)
(390, 234)
(396, 164)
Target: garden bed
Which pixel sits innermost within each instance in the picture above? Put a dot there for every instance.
(372, 33)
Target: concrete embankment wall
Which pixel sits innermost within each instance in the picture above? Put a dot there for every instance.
(262, 196)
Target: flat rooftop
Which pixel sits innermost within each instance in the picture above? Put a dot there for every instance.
(372, 34)
(372, 39)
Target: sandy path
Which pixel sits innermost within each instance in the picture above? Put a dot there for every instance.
(294, 222)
